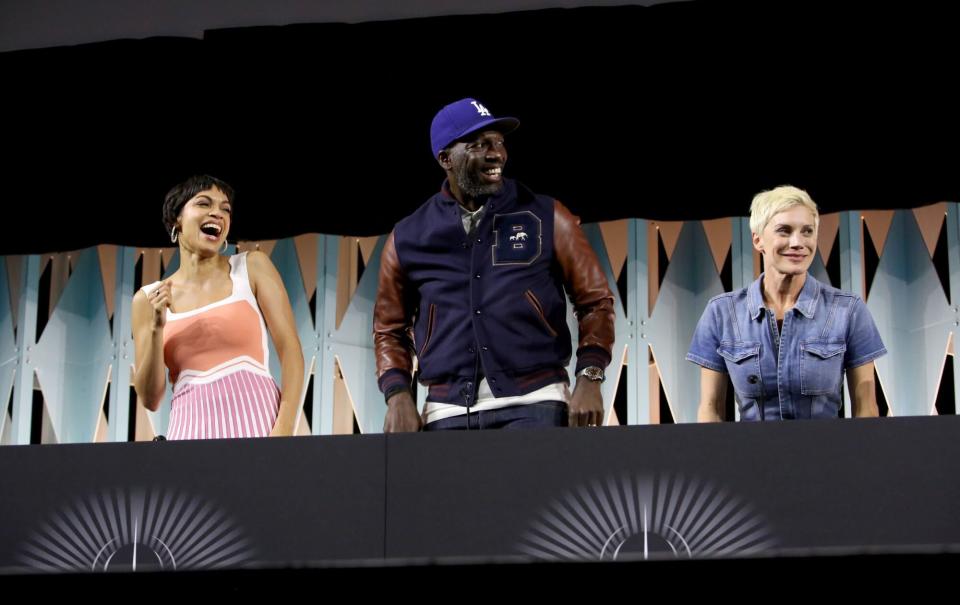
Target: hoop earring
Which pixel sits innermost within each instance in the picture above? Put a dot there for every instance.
(225, 246)
(174, 234)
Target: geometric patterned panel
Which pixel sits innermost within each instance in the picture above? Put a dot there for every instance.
(641, 282)
(719, 234)
(819, 270)
(119, 262)
(878, 224)
(21, 419)
(691, 280)
(609, 387)
(350, 345)
(108, 273)
(914, 319)
(6, 433)
(615, 242)
(826, 237)
(285, 259)
(14, 269)
(952, 228)
(929, 220)
(73, 357)
(8, 350)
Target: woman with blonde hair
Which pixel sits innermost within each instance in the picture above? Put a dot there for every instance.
(787, 339)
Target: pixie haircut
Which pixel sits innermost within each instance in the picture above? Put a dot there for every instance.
(768, 204)
(181, 194)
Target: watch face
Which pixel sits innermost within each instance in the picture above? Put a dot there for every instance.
(595, 374)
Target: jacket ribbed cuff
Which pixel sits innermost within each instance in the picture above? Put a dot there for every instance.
(390, 380)
(592, 356)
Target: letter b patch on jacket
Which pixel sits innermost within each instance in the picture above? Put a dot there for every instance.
(516, 238)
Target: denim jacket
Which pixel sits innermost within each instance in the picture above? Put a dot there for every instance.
(794, 372)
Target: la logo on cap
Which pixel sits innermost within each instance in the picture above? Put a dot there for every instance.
(480, 108)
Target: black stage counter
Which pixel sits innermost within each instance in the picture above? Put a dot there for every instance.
(794, 489)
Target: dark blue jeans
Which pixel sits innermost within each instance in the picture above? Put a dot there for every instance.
(525, 416)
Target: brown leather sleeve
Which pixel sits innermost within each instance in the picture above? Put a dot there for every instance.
(392, 315)
(587, 287)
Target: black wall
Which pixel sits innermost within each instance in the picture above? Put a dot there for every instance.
(679, 110)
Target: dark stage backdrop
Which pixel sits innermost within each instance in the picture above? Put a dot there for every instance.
(675, 111)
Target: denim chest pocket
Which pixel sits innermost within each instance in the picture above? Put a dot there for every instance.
(821, 366)
(743, 365)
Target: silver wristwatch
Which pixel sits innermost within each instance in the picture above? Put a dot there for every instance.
(592, 373)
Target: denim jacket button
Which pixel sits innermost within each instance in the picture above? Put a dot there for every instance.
(752, 379)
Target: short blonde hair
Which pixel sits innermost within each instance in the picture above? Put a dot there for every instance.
(768, 204)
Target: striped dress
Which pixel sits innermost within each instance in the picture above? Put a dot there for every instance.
(218, 363)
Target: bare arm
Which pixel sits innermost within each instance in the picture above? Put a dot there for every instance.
(277, 313)
(149, 316)
(862, 391)
(713, 395)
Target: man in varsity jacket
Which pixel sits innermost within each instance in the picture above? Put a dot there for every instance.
(479, 272)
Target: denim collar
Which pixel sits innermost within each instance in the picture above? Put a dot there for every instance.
(806, 302)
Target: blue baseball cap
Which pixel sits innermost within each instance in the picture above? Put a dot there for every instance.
(463, 117)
